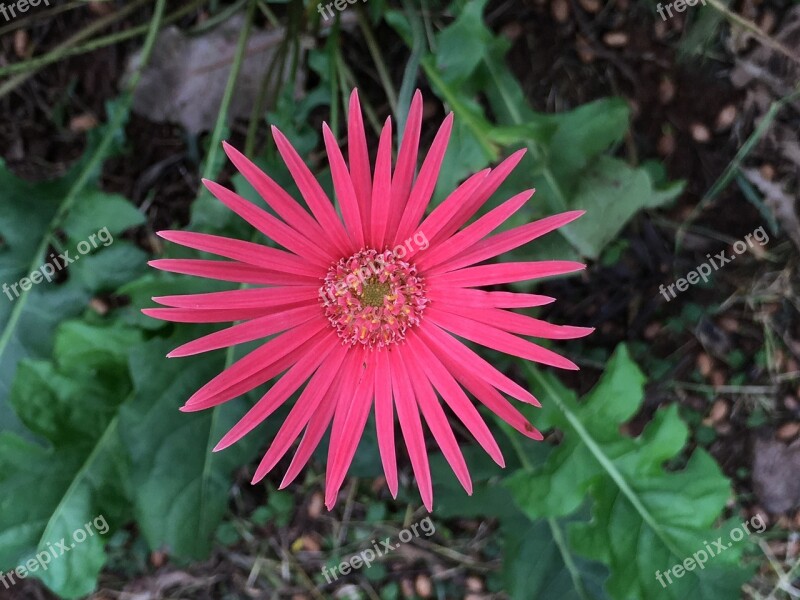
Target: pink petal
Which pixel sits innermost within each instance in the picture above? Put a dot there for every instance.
(411, 426)
(358, 157)
(253, 298)
(249, 330)
(426, 181)
(246, 252)
(488, 396)
(507, 273)
(343, 185)
(455, 397)
(436, 419)
(482, 299)
(273, 228)
(280, 391)
(470, 235)
(406, 163)
(488, 187)
(276, 197)
(384, 419)
(516, 323)
(207, 315)
(381, 190)
(320, 420)
(443, 214)
(443, 343)
(508, 240)
(224, 270)
(497, 339)
(252, 370)
(301, 412)
(348, 425)
(313, 194)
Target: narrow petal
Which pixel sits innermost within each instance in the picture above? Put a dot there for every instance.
(403, 177)
(276, 197)
(381, 189)
(507, 241)
(488, 396)
(348, 425)
(482, 299)
(358, 157)
(248, 331)
(426, 182)
(436, 419)
(254, 369)
(384, 419)
(442, 343)
(312, 192)
(516, 323)
(472, 234)
(442, 214)
(509, 272)
(320, 420)
(497, 339)
(454, 397)
(411, 426)
(280, 392)
(207, 315)
(224, 270)
(273, 228)
(246, 252)
(254, 298)
(306, 405)
(489, 186)
(345, 192)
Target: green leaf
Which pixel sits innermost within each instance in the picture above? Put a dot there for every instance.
(456, 58)
(611, 192)
(538, 563)
(97, 211)
(638, 508)
(180, 486)
(52, 493)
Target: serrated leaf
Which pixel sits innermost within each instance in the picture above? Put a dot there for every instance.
(47, 493)
(639, 509)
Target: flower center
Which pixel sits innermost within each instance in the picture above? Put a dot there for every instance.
(372, 298)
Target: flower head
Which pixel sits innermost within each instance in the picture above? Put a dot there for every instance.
(365, 309)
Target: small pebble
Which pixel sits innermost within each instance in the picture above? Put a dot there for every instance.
(726, 117)
(788, 431)
(700, 133)
(615, 39)
(560, 10)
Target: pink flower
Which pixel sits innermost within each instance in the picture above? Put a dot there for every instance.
(366, 308)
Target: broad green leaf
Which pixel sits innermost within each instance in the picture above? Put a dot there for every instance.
(539, 564)
(462, 45)
(180, 486)
(611, 192)
(109, 214)
(644, 517)
(51, 493)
